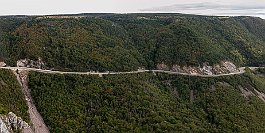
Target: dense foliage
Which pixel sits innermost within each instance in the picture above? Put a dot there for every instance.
(7, 25)
(125, 42)
(148, 103)
(12, 98)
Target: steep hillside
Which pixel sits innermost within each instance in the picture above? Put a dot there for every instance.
(191, 40)
(7, 25)
(12, 98)
(123, 42)
(150, 103)
(73, 44)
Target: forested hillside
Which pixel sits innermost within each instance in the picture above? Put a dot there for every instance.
(12, 98)
(7, 26)
(123, 42)
(150, 103)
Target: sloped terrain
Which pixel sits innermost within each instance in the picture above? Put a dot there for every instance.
(149, 103)
(123, 42)
(12, 98)
(143, 102)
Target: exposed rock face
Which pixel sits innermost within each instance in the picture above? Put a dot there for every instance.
(31, 63)
(221, 68)
(206, 69)
(229, 66)
(162, 66)
(246, 92)
(251, 91)
(13, 122)
(3, 128)
(2, 64)
(225, 67)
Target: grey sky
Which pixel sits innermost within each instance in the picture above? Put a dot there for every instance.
(204, 7)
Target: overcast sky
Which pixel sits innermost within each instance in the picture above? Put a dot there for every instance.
(203, 7)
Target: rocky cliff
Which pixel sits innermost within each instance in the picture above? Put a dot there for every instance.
(2, 64)
(3, 128)
(222, 68)
(10, 123)
(31, 63)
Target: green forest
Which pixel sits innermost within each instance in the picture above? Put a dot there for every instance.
(12, 98)
(149, 102)
(143, 102)
(124, 42)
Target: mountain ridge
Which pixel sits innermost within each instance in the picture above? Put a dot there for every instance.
(122, 42)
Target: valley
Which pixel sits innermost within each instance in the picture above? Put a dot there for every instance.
(132, 73)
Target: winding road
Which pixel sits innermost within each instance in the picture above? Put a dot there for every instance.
(241, 71)
(36, 119)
